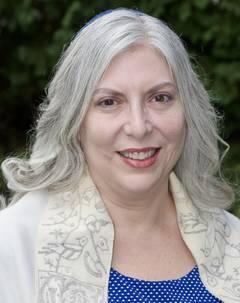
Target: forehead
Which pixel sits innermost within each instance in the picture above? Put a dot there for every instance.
(138, 64)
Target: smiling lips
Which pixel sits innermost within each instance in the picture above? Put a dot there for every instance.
(139, 158)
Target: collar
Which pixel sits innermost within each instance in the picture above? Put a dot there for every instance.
(75, 244)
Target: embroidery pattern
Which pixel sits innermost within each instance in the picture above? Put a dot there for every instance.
(76, 241)
(217, 256)
(76, 238)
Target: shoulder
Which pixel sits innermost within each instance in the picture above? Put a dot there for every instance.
(24, 212)
(18, 232)
(232, 220)
(222, 222)
(19, 221)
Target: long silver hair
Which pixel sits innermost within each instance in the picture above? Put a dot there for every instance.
(56, 161)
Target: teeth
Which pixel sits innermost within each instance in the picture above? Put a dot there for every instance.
(138, 155)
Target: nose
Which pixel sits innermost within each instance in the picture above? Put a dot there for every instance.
(137, 123)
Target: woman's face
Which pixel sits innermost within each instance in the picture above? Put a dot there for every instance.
(134, 130)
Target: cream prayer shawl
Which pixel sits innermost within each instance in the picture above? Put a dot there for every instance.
(75, 244)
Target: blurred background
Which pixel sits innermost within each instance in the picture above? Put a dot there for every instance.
(33, 33)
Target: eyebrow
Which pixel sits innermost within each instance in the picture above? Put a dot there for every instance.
(151, 90)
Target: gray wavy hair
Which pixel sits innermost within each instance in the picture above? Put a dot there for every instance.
(56, 161)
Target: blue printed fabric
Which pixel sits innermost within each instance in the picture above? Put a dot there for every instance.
(187, 289)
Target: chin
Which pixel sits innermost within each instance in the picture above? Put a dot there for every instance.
(139, 184)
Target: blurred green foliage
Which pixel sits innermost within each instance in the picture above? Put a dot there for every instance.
(33, 34)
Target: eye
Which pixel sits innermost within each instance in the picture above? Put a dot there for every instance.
(107, 102)
(162, 98)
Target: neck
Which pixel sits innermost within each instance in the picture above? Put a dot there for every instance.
(139, 211)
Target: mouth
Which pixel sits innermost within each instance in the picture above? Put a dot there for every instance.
(139, 154)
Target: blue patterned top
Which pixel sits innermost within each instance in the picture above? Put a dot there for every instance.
(187, 289)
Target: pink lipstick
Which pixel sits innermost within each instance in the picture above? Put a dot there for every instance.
(139, 157)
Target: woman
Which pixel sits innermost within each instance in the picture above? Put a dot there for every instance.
(119, 200)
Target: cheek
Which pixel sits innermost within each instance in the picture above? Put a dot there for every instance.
(173, 127)
(95, 134)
